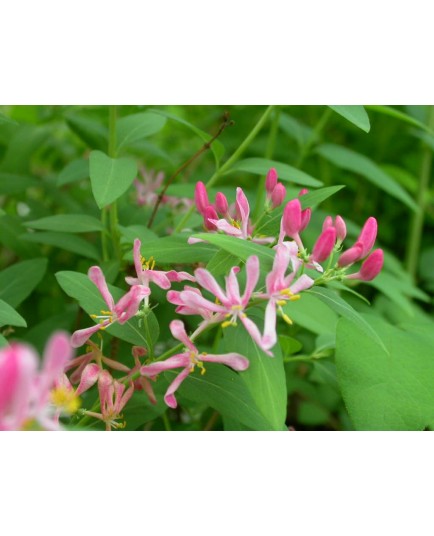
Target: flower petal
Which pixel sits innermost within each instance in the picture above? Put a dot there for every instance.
(97, 277)
(207, 281)
(178, 331)
(169, 397)
(232, 359)
(252, 269)
(176, 361)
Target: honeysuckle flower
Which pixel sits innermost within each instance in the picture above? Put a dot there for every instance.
(188, 360)
(280, 289)
(142, 383)
(306, 213)
(147, 187)
(121, 312)
(146, 274)
(187, 304)
(368, 235)
(30, 395)
(371, 267)
(240, 227)
(221, 204)
(275, 190)
(291, 222)
(201, 197)
(351, 255)
(339, 225)
(324, 246)
(113, 398)
(278, 195)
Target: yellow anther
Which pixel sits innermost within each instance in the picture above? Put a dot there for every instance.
(281, 302)
(228, 323)
(235, 224)
(93, 316)
(286, 292)
(237, 308)
(287, 319)
(65, 399)
(147, 265)
(109, 313)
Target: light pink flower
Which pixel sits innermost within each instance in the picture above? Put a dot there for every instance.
(146, 274)
(280, 289)
(121, 312)
(188, 360)
(147, 187)
(113, 399)
(26, 394)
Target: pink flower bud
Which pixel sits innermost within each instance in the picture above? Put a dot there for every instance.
(210, 214)
(324, 245)
(368, 235)
(351, 256)
(372, 266)
(201, 197)
(292, 218)
(303, 191)
(278, 195)
(328, 222)
(341, 229)
(271, 181)
(305, 218)
(221, 203)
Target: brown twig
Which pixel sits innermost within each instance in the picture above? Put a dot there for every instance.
(226, 122)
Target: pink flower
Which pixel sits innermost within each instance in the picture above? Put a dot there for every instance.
(239, 227)
(188, 360)
(146, 274)
(26, 394)
(147, 188)
(121, 312)
(371, 267)
(280, 289)
(306, 213)
(368, 235)
(113, 398)
(324, 245)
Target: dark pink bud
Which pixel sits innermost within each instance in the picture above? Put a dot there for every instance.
(303, 191)
(324, 245)
(328, 222)
(351, 256)
(305, 218)
(278, 195)
(341, 229)
(221, 203)
(292, 218)
(368, 235)
(201, 197)
(271, 181)
(372, 266)
(210, 214)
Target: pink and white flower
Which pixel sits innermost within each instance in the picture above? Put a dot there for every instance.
(188, 360)
(121, 312)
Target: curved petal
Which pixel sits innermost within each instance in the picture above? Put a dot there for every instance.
(253, 331)
(252, 269)
(169, 397)
(57, 353)
(303, 282)
(173, 275)
(159, 278)
(243, 209)
(201, 304)
(80, 336)
(270, 336)
(207, 281)
(97, 277)
(176, 361)
(232, 286)
(137, 257)
(178, 331)
(129, 304)
(232, 359)
(132, 280)
(89, 377)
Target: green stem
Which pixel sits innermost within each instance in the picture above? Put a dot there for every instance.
(113, 208)
(315, 132)
(416, 229)
(166, 422)
(235, 156)
(148, 338)
(271, 144)
(104, 236)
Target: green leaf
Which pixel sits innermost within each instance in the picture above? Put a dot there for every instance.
(79, 287)
(3, 342)
(216, 147)
(261, 166)
(242, 249)
(93, 133)
(9, 317)
(67, 223)
(175, 249)
(24, 142)
(68, 242)
(265, 377)
(310, 313)
(397, 114)
(386, 386)
(131, 232)
(222, 262)
(298, 131)
(360, 164)
(340, 306)
(271, 223)
(11, 230)
(139, 409)
(136, 127)
(11, 183)
(77, 170)
(110, 177)
(354, 114)
(224, 390)
(19, 280)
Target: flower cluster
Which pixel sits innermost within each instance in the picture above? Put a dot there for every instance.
(29, 396)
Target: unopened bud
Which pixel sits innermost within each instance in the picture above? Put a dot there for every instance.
(368, 235)
(372, 266)
(292, 218)
(341, 229)
(328, 222)
(210, 214)
(221, 203)
(201, 197)
(271, 181)
(351, 256)
(324, 245)
(278, 195)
